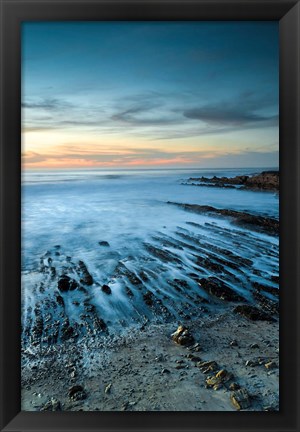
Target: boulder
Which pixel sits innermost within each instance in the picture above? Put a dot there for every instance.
(106, 289)
(182, 336)
(65, 284)
(240, 399)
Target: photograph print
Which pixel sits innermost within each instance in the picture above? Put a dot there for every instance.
(150, 216)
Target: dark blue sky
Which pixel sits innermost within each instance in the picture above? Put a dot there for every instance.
(150, 93)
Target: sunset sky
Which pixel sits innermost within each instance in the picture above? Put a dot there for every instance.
(149, 94)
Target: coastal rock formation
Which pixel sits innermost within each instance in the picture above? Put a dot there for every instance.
(252, 313)
(248, 220)
(220, 289)
(265, 181)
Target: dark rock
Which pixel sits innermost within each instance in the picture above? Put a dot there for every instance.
(77, 393)
(99, 324)
(162, 254)
(65, 283)
(148, 298)
(106, 289)
(53, 272)
(248, 220)
(83, 272)
(192, 357)
(67, 331)
(266, 288)
(267, 180)
(104, 243)
(220, 289)
(252, 313)
(275, 279)
(209, 265)
(234, 386)
(129, 292)
(240, 399)
(207, 366)
(269, 306)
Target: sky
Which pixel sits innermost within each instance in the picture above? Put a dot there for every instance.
(150, 94)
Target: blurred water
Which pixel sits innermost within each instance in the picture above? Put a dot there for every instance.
(77, 209)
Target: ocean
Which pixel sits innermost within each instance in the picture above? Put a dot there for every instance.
(67, 214)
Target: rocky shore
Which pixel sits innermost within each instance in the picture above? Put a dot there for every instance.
(188, 324)
(265, 181)
(250, 221)
(232, 364)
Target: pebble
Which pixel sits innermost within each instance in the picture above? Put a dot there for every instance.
(108, 388)
(270, 365)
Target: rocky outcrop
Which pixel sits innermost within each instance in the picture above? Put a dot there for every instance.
(252, 313)
(219, 289)
(247, 220)
(266, 181)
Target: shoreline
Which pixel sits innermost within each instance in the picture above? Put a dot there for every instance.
(97, 332)
(145, 370)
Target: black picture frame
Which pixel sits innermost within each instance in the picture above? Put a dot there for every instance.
(13, 12)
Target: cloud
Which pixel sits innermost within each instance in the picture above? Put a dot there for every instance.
(31, 157)
(154, 115)
(47, 104)
(80, 156)
(226, 115)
